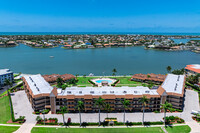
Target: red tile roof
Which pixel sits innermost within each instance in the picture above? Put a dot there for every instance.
(192, 68)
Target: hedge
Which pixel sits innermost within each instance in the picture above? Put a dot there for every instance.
(115, 123)
(193, 86)
(115, 82)
(92, 82)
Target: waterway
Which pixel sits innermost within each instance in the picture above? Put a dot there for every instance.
(128, 60)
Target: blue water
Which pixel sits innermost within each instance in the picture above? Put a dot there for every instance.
(177, 41)
(78, 33)
(102, 61)
(99, 81)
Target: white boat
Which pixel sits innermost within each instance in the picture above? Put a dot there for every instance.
(51, 56)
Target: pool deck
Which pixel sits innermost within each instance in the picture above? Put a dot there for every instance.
(99, 84)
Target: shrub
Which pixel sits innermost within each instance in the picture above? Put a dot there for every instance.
(172, 117)
(153, 123)
(91, 82)
(111, 118)
(45, 111)
(179, 110)
(38, 119)
(60, 123)
(136, 123)
(172, 110)
(156, 111)
(182, 121)
(56, 119)
(115, 82)
(37, 112)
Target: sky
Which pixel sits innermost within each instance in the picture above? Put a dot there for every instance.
(100, 16)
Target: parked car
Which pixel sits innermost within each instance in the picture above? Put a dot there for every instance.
(195, 112)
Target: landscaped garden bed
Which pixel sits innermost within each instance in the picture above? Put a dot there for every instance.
(50, 121)
(196, 118)
(174, 120)
(46, 111)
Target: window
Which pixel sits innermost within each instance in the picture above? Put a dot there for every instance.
(91, 92)
(69, 92)
(104, 92)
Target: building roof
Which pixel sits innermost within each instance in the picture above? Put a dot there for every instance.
(174, 83)
(38, 85)
(152, 76)
(193, 67)
(108, 90)
(54, 77)
(5, 71)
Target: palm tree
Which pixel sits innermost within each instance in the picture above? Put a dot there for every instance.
(165, 107)
(43, 112)
(63, 111)
(144, 102)
(100, 103)
(59, 82)
(108, 109)
(114, 71)
(169, 68)
(125, 104)
(80, 107)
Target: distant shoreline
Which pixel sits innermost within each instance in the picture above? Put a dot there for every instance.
(95, 33)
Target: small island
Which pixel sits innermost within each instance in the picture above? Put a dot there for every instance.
(85, 41)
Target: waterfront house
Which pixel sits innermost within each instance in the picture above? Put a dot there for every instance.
(68, 46)
(52, 78)
(98, 45)
(122, 45)
(11, 43)
(192, 69)
(2, 44)
(106, 45)
(77, 46)
(5, 74)
(151, 46)
(175, 48)
(90, 46)
(154, 78)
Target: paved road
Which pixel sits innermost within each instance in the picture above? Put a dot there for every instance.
(22, 107)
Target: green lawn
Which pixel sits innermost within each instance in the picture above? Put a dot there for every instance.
(97, 130)
(4, 110)
(178, 129)
(124, 81)
(84, 80)
(8, 129)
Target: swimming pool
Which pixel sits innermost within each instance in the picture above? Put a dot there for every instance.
(99, 81)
